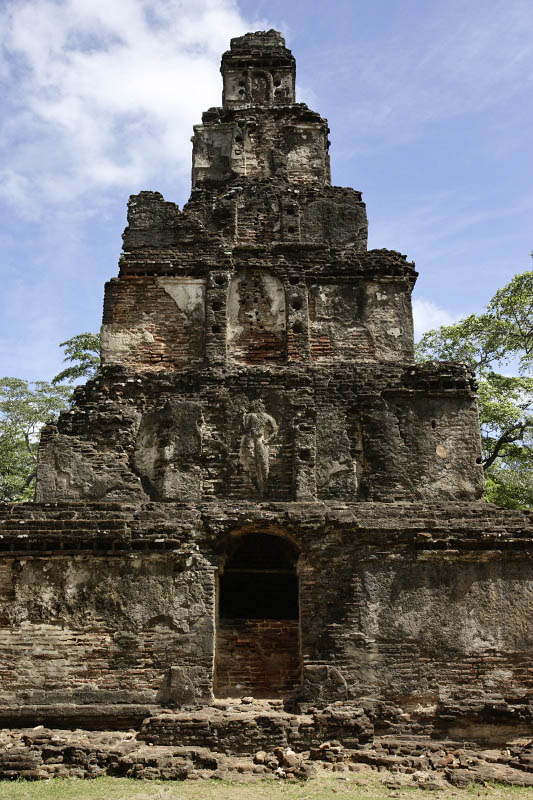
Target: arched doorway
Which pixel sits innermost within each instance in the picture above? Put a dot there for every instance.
(258, 643)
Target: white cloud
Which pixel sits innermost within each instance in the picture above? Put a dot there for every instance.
(427, 315)
(104, 94)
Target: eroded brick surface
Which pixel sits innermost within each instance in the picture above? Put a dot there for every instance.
(260, 492)
(257, 656)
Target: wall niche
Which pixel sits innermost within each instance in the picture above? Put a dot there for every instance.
(256, 318)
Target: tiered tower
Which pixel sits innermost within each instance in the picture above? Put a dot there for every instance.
(261, 493)
(259, 306)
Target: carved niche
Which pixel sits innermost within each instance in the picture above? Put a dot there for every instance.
(168, 449)
(261, 92)
(256, 318)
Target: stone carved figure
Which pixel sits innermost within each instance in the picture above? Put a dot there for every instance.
(259, 430)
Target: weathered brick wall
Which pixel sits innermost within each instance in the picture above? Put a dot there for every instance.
(289, 142)
(256, 318)
(420, 608)
(103, 630)
(258, 657)
(361, 322)
(420, 630)
(154, 324)
(158, 322)
(430, 632)
(355, 433)
(271, 79)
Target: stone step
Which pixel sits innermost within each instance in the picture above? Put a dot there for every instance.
(246, 727)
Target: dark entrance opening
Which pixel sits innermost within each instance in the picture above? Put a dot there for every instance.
(258, 651)
(260, 580)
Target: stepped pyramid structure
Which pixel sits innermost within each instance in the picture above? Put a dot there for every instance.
(261, 494)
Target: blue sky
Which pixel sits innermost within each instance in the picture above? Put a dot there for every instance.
(429, 104)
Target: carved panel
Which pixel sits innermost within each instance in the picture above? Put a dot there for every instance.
(168, 449)
(256, 318)
(337, 328)
(260, 88)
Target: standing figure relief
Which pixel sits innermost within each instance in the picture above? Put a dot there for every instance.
(259, 430)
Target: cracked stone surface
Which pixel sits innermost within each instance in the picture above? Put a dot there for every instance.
(260, 439)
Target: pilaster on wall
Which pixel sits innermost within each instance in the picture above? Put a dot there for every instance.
(305, 487)
(216, 317)
(298, 341)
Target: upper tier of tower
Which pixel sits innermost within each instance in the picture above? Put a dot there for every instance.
(267, 263)
(258, 70)
(260, 132)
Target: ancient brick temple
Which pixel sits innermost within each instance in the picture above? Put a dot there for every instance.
(261, 494)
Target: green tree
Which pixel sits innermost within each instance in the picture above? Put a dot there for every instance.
(83, 351)
(24, 408)
(493, 343)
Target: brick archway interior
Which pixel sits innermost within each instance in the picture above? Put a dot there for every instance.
(257, 646)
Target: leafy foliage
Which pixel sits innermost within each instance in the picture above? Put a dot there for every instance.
(24, 409)
(501, 337)
(83, 351)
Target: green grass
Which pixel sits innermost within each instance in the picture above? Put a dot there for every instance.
(323, 788)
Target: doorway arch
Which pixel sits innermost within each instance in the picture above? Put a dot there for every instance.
(258, 630)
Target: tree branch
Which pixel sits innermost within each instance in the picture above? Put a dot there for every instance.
(506, 438)
(29, 479)
(28, 445)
